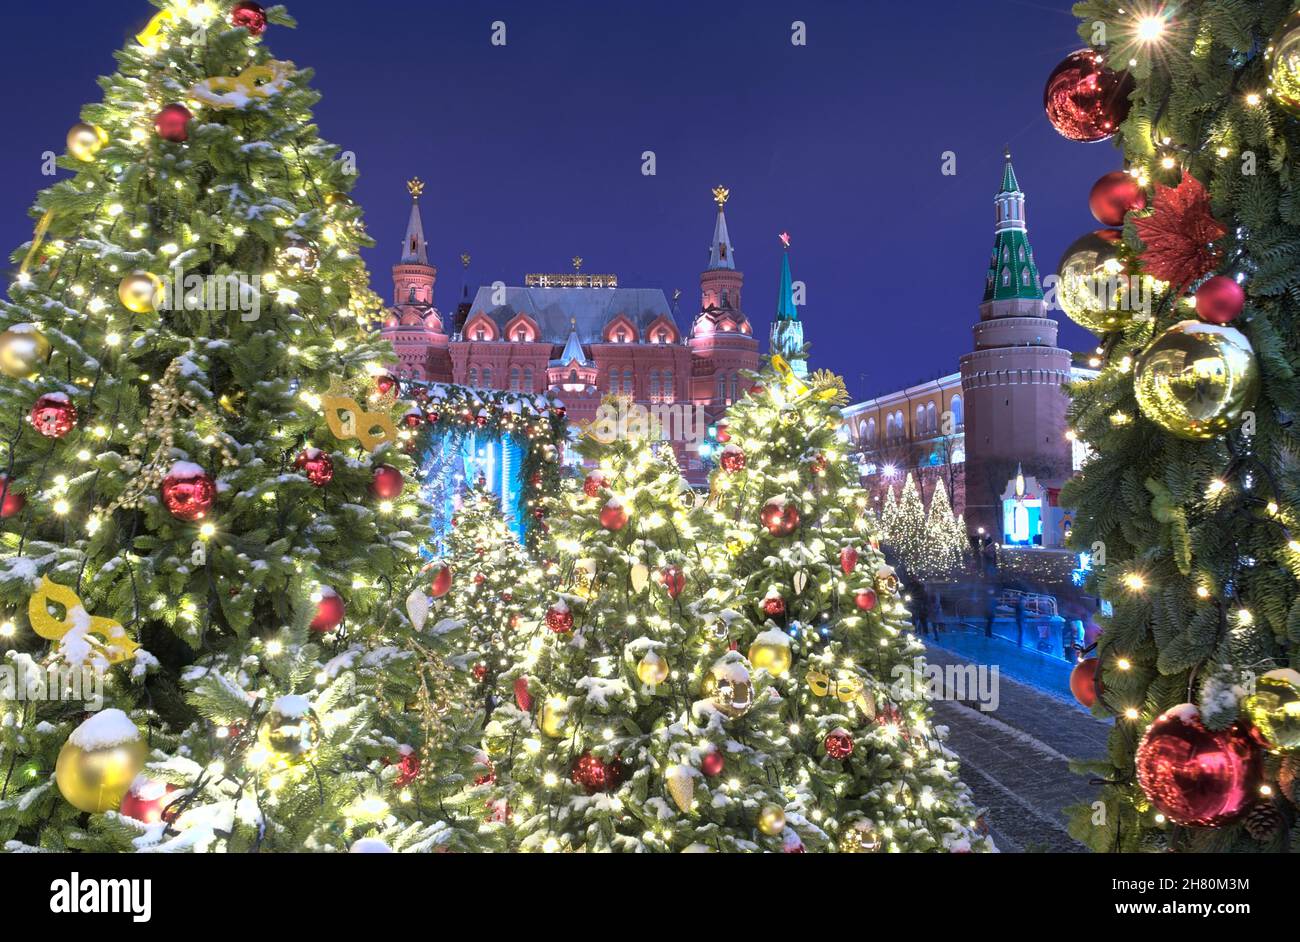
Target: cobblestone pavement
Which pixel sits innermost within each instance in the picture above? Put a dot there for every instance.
(1016, 758)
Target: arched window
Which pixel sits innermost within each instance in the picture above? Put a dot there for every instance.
(410, 297)
(487, 377)
(627, 382)
(1022, 254)
(528, 379)
(620, 336)
(871, 431)
(735, 386)
(958, 416)
(919, 427)
(722, 389)
(1006, 254)
(663, 336)
(613, 382)
(1006, 277)
(654, 385)
(669, 394)
(480, 334)
(514, 379)
(521, 335)
(889, 428)
(931, 417)
(473, 376)
(1024, 277)
(724, 297)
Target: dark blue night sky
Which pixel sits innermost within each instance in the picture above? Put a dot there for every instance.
(532, 152)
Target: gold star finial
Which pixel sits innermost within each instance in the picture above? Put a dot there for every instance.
(577, 263)
(464, 259)
(720, 195)
(415, 186)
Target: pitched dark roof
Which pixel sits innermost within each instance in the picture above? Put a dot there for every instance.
(557, 311)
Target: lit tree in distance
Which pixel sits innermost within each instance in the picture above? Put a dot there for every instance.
(1193, 488)
(943, 541)
(819, 615)
(204, 499)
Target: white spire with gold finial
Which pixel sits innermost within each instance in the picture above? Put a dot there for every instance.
(415, 250)
(721, 252)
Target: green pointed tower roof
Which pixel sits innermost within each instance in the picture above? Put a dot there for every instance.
(1012, 274)
(785, 308)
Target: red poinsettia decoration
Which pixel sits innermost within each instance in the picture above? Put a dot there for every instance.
(1179, 233)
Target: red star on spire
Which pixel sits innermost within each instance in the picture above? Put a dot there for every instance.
(785, 239)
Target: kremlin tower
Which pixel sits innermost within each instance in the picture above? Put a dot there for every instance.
(1013, 382)
(787, 329)
(722, 341)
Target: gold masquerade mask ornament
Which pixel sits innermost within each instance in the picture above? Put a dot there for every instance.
(103, 635)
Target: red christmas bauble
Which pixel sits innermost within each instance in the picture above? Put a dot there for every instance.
(329, 611)
(12, 501)
(1085, 101)
(732, 460)
(595, 775)
(249, 15)
(818, 464)
(839, 744)
(316, 465)
(724, 433)
(1220, 300)
(173, 123)
(413, 419)
(613, 516)
(54, 415)
(848, 560)
(523, 698)
(592, 484)
(865, 599)
(408, 769)
(774, 606)
(479, 578)
(433, 417)
(1115, 195)
(441, 584)
(559, 619)
(1084, 681)
(146, 800)
(479, 671)
(188, 492)
(779, 516)
(385, 383)
(1196, 777)
(673, 580)
(712, 764)
(757, 389)
(387, 483)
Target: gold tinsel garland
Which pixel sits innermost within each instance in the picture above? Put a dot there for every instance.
(159, 425)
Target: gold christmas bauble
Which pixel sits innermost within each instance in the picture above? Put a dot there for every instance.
(729, 687)
(99, 762)
(289, 729)
(771, 820)
(860, 838)
(771, 652)
(681, 786)
(496, 740)
(1274, 708)
(1092, 286)
(1195, 380)
(23, 350)
(86, 140)
(338, 199)
(140, 292)
(1283, 54)
(555, 716)
(652, 669)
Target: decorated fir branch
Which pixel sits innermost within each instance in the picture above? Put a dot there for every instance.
(1189, 498)
(190, 524)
